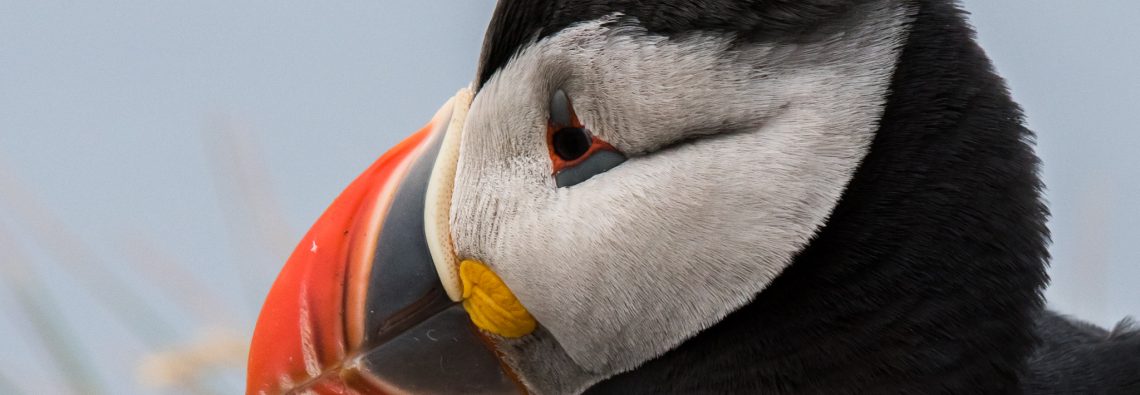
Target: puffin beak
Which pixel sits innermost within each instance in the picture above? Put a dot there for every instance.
(368, 302)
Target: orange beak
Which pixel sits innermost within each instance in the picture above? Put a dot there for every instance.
(359, 307)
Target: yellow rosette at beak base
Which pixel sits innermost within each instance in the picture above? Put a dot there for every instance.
(492, 306)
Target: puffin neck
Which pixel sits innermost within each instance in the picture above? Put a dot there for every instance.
(929, 272)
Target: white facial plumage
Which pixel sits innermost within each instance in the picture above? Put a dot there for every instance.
(738, 152)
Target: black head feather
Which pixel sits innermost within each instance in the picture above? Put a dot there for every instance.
(516, 23)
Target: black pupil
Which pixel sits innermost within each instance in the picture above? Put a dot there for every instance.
(571, 143)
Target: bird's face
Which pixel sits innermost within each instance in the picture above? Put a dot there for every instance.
(611, 192)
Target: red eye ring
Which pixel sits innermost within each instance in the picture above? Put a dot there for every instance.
(596, 144)
(582, 143)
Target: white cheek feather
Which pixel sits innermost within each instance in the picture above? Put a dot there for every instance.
(627, 265)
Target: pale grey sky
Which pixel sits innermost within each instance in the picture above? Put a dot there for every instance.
(130, 120)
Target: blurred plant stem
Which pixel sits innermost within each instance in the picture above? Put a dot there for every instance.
(186, 365)
(38, 304)
(181, 285)
(256, 228)
(83, 264)
(253, 213)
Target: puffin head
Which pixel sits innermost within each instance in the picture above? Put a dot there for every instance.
(620, 176)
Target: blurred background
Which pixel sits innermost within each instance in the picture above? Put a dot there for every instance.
(158, 161)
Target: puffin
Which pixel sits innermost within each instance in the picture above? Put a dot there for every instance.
(682, 196)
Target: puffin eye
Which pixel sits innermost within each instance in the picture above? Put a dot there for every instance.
(571, 143)
(575, 153)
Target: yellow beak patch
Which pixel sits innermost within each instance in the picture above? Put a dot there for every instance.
(492, 306)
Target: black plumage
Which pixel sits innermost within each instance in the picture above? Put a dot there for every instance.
(928, 276)
(516, 23)
(1075, 357)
